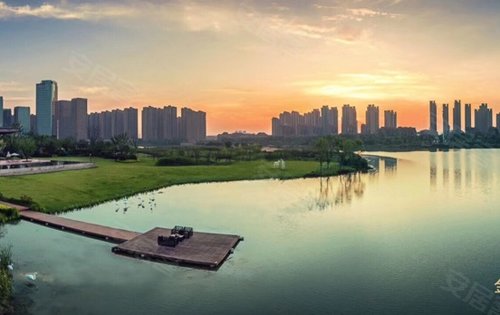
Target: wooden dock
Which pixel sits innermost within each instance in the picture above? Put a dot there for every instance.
(205, 250)
(202, 250)
(101, 232)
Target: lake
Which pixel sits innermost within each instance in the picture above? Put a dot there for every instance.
(419, 235)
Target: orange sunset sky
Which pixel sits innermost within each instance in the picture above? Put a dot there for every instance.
(244, 62)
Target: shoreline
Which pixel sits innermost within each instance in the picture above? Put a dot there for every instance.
(252, 170)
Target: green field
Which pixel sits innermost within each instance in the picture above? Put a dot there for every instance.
(56, 192)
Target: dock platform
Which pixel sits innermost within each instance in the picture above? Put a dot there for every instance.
(101, 232)
(201, 250)
(205, 250)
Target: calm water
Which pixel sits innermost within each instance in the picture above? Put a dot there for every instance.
(390, 242)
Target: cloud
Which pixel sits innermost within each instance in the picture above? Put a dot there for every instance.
(371, 86)
(365, 12)
(11, 87)
(65, 11)
(92, 90)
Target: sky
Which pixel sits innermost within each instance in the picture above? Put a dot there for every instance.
(244, 62)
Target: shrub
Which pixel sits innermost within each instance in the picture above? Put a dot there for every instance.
(175, 161)
(8, 214)
(5, 280)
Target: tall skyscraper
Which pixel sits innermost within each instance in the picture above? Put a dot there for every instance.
(446, 120)
(1, 111)
(483, 118)
(22, 118)
(433, 116)
(372, 119)
(498, 122)
(169, 129)
(390, 119)
(80, 116)
(349, 120)
(63, 119)
(46, 97)
(33, 123)
(329, 120)
(276, 130)
(108, 124)
(468, 118)
(193, 125)
(70, 119)
(457, 116)
(150, 124)
(131, 122)
(7, 118)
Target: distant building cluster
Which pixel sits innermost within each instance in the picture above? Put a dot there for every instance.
(325, 121)
(70, 119)
(483, 118)
(108, 124)
(163, 125)
(322, 121)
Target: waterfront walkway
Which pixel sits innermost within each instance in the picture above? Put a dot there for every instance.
(202, 250)
(102, 232)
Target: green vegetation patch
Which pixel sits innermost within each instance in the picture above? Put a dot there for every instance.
(61, 191)
(8, 214)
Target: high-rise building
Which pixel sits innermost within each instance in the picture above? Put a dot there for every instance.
(483, 118)
(276, 130)
(151, 124)
(108, 124)
(457, 116)
(63, 119)
(468, 118)
(193, 125)
(498, 121)
(131, 122)
(7, 118)
(80, 116)
(33, 123)
(433, 116)
(390, 119)
(22, 118)
(70, 119)
(349, 120)
(329, 120)
(372, 119)
(446, 120)
(169, 129)
(1, 111)
(46, 96)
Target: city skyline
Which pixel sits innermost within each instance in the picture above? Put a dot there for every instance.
(244, 62)
(49, 101)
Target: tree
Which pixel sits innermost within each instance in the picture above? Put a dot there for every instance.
(27, 146)
(123, 147)
(327, 148)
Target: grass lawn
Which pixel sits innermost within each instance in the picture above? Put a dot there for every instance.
(56, 192)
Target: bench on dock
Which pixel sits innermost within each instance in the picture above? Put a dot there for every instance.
(177, 235)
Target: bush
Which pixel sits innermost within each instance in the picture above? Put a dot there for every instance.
(175, 161)
(5, 280)
(24, 200)
(8, 214)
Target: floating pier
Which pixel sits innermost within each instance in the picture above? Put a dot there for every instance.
(206, 250)
(201, 250)
(101, 232)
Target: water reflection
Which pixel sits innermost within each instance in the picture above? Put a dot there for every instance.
(466, 170)
(457, 169)
(338, 190)
(433, 169)
(390, 164)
